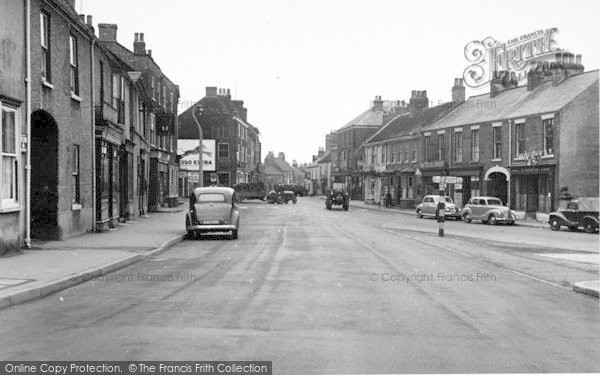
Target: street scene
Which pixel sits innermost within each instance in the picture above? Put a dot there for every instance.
(318, 291)
(281, 187)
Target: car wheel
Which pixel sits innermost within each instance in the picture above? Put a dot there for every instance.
(492, 220)
(590, 227)
(554, 224)
(345, 207)
(467, 218)
(295, 201)
(419, 214)
(286, 202)
(234, 234)
(196, 235)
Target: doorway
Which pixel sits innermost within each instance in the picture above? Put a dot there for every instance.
(44, 176)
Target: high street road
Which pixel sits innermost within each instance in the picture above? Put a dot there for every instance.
(319, 291)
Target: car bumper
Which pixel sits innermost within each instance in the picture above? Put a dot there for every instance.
(212, 228)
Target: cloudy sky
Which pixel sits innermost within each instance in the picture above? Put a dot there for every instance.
(306, 67)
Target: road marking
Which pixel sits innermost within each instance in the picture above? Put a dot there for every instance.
(390, 230)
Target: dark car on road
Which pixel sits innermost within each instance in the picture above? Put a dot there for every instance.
(337, 196)
(212, 209)
(578, 213)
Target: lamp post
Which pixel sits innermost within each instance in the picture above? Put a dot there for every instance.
(200, 161)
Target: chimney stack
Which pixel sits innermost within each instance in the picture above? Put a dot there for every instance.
(564, 66)
(139, 46)
(418, 101)
(502, 80)
(282, 156)
(211, 92)
(107, 32)
(458, 91)
(89, 21)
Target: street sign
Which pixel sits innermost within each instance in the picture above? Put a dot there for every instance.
(450, 179)
(436, 179)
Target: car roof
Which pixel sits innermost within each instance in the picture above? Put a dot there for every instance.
(485, 197)
(226, 191)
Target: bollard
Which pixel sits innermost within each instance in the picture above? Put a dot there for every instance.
(441, 218)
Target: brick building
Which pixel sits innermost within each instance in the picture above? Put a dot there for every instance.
(347, 162)
(522, 143)
(62, 129)
(391, 155)
(238, 146)
(148, 143)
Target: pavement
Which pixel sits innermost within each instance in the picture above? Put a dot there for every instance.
(52, 266)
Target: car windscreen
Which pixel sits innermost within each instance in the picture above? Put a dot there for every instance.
(494, 202)
(448, 200)
(210, 198)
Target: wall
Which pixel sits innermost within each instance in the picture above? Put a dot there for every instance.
(578, 135)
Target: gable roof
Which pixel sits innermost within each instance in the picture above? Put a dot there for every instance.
(410, 123)
(370, 117)
(517, 102)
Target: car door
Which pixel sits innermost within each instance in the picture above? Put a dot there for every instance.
(480, 208)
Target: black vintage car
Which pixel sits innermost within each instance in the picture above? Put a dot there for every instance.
(337, 196)
(581, 212)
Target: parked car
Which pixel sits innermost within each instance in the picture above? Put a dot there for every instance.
(428, 207)
(337, 196)
(212, 209)
(581, 212)
(488, 210)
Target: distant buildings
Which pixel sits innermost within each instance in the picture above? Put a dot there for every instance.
(522, 144)
(238, 147)
(279, 171)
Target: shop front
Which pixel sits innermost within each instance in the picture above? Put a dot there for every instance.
(533, 189)
(466, 185)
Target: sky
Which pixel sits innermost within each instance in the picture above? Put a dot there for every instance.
(304, 68)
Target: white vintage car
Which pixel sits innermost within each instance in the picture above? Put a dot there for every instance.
(488, 210)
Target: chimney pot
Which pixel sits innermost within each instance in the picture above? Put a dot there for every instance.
(149, 53)
(89, 20)
(578, 59)
(82, 18)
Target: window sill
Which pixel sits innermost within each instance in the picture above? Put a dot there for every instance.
(76, 97)
(497, 159)
(47, 84)
(549, 156)
(76, 207)
(9, 209)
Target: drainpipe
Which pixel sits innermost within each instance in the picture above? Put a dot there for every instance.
(28, 121)
(508, 190)
(93, 112)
